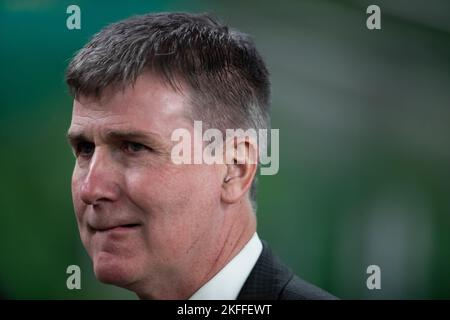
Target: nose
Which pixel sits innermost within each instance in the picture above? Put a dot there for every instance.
(100, 183)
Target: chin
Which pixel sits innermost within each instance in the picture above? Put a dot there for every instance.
(115, 270)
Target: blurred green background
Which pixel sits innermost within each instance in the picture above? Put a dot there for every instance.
(364, 119)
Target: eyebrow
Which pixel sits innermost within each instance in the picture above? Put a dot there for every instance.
(130, 135)
(153, 138)
(74, 137)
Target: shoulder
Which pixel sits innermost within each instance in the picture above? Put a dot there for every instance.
(270, 279)
(299, 289)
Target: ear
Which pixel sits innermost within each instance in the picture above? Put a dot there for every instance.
(241, 165)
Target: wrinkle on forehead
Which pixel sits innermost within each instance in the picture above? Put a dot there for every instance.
(147, 86)
(149, 104)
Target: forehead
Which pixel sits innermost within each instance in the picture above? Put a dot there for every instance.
(149, 104)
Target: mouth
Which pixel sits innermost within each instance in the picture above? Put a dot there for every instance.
(117, 228)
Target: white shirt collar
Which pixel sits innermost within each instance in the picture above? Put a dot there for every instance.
(228, 282)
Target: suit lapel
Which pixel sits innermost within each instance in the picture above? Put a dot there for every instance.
(267, 278)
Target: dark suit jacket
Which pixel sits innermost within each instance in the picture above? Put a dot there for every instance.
(270, 279)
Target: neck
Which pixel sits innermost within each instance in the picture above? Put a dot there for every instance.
(241, 230)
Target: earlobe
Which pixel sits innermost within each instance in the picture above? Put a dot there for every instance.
(231, 191)
(239, 172)
(237, 182)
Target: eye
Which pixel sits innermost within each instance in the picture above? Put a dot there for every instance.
(134, 147)
(85, 149)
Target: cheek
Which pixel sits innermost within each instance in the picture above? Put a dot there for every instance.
(178, 201)
(79, 208)
(175, 186)
(78, 204)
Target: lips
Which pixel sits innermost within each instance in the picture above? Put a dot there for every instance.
(116, 227)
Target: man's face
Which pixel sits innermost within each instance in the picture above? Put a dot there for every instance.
(141, 217)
